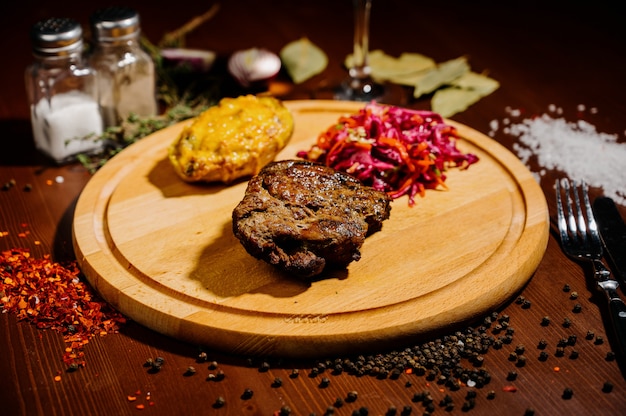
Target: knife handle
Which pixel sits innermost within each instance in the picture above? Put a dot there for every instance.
(617, 307)
(617, 312)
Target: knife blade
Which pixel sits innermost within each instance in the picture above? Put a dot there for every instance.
(613, 233)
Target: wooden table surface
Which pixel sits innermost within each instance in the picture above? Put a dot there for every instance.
(542, 55)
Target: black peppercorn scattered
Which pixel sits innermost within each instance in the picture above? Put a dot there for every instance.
(511, 376)
(590, 335)
(338, 402)
(202, 357)
(325, 382)
(521, 361)
(573, 295)
(542, 344)
(294, 373)
(213, 365)
(520, 349)
(391, 411)
(406, 410)
(520, 300)
(277, 382)
(28, 187)
(219, 402)
(526, 304)
(567, 393)
(543, 356)
(566, 288)
(352, 396)
(610, 356)
(330, 410)
(567, 323)
(560, 351)
(571, 340)
(607, 387)
(285, 411)
(573, 354)
(599, 340)
(491, 394)
(577, 308)
(190, 371)
(513, 356)
(265, 366)
(247, 394)
(529, 412)
(545, 321)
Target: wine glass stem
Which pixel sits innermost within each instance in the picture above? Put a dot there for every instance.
(360, 66)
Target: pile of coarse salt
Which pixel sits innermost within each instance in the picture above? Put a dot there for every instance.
(574, 148)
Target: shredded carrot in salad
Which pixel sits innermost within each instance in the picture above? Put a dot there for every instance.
(395, 150)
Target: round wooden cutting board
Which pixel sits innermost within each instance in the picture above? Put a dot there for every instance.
(162, 252)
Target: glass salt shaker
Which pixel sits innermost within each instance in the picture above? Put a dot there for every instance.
(62, 91)
(126, 72)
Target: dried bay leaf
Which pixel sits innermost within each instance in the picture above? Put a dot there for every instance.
(444, 74)
(463, 92)
(388, 68)
(453, 100)
(477, 82)
(303, 59)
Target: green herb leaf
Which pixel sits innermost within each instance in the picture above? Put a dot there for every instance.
(302, 60)
(443, 74)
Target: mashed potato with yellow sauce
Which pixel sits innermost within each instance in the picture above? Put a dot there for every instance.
(232, 139)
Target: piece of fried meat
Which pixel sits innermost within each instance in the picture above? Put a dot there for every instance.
(304, 217)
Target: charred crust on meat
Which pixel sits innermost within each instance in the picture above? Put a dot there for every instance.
(304, 217)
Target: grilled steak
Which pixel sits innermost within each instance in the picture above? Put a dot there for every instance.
(304, 217)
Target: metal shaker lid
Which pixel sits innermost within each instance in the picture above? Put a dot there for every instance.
(56, 36)
(114, 23)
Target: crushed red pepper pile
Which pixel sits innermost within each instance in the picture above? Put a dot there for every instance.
(51, 295)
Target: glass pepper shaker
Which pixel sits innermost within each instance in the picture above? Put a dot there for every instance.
(62, 91)
(126, 72)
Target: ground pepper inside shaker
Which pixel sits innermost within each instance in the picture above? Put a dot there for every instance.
(126, 73)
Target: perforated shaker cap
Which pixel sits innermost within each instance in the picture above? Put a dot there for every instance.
(56, 36)
(114, 23)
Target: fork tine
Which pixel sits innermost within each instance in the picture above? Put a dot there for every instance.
(582, 224)
(571, 217)
(591, 221)
(560, 214)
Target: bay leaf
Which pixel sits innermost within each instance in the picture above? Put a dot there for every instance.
(452, 100)
(385, 67)
(303, 59)
(477, 82)
(443, 74)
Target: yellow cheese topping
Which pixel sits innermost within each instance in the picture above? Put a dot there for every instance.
(232, 139)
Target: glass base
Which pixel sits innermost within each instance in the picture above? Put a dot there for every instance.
(355, 89)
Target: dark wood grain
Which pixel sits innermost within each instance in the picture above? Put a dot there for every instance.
(541, 53)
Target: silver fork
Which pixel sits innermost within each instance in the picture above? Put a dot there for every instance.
(581, 241)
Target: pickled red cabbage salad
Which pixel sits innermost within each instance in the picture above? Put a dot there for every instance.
(395, 150)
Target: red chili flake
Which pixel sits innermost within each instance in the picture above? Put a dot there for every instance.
(140, 406)
(509, 389)
(51, 295)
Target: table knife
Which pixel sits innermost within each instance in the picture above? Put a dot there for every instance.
(613, 233)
